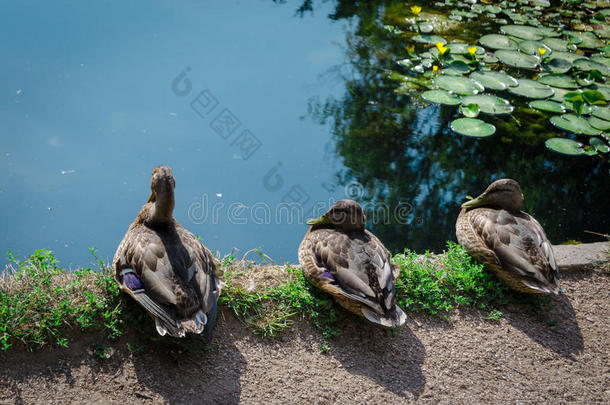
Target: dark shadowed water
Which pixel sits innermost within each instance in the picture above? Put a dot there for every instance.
(264, 114)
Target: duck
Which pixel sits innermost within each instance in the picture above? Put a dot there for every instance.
(342, 258)
(511, 243)
(165, 268)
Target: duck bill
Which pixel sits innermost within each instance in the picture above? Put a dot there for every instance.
(323, 220)
(152, 197)
(477, 202)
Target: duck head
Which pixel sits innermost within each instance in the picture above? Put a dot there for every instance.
(346, 215)
(503, 193)
(162, 184)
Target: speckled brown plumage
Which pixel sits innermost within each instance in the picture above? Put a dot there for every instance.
(508, 241)
(175, 271)
(352, 265)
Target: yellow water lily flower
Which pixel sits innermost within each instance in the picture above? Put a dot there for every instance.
(416, 9)
(410, 48)
(472, 51)
(441, 48)
(434, 69)
(542, 51)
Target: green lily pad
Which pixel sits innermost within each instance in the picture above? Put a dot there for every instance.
(531, 47)
(425, 28)
(600, 59)
(549, 32)
(517, 59)
(569, 56)
(456, 68)
(522, 31)
(569, 105)
(429, 39)
(440, 97)
(559, 80)
(548, 106)
(557, 65)
(587, 40)
(601, 113)
(470, 110)
(587, 64)
(575, 124)
(599, 145)
(599, 123)
(494, 80)
(559, 94)
(531, 89)
(496, 41)
(556, 44)
(489, 104)
(564, 146)
(472, 127)
(462, 49)
(458, 85)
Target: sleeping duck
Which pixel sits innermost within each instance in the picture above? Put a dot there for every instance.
(493, 229)
(165, 268)
(342, 258)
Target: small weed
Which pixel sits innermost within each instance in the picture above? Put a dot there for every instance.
(437, 287)
(39, 301)
(494, 315)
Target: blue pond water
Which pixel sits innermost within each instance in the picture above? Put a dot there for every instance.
(252, 106)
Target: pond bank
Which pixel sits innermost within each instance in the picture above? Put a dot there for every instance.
(559, 354)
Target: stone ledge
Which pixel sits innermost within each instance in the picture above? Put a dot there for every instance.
(581, 257)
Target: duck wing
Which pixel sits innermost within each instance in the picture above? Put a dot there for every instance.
(520, 245)
(168, 277)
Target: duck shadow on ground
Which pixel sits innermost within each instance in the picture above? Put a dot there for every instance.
(189, 371)
(550, 321)
(391, 358)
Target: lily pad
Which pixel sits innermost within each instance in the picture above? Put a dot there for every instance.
(425, 28)
(458, 85)
(569, 56)
(517, 59)
(601, 113)
(564, 146)
(456, 68)
(496, 41)
(557, 65)
(575, 124)
(494, 80)
(460, 48)
(559, 80)
(522, 31)
(531, 89)
(599, 123)
(470, 110)
(599, 145)
(548, 106)
(587, 64)
(472, 127)
(429, 39)
(532, 47)
(489, 104)
(588, 40)
(440, 97)
(556, 44)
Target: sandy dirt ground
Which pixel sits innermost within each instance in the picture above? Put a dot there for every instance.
(560, 356)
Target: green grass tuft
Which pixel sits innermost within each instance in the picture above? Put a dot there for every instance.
(40, 302)
(437, 286)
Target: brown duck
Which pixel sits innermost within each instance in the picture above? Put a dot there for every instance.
(165, 268)
(494, 230)
(342, 258)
